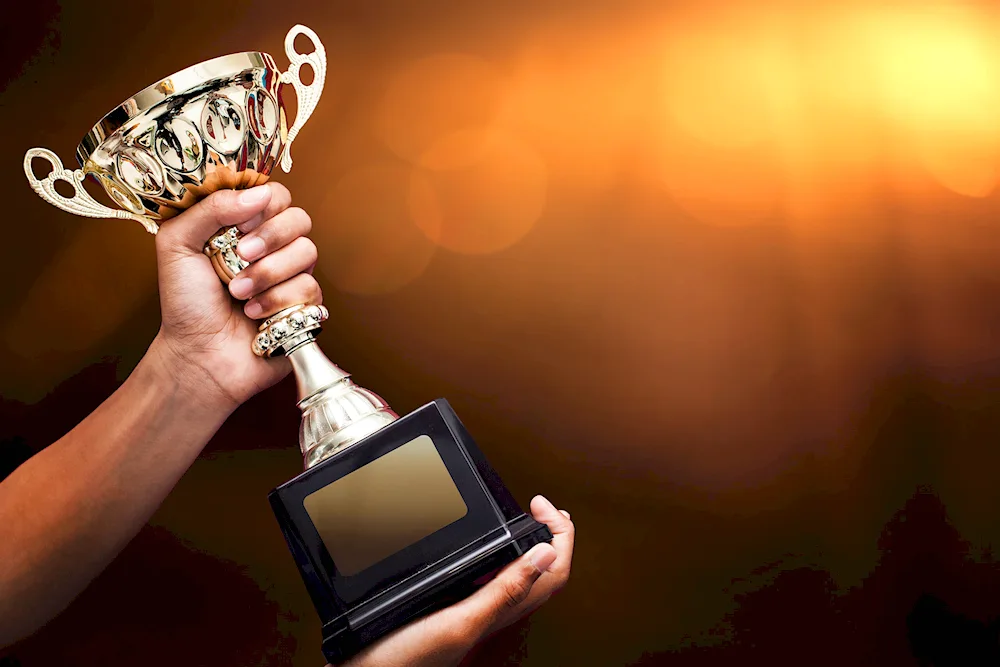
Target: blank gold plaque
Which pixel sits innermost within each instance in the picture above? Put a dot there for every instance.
(385, 506)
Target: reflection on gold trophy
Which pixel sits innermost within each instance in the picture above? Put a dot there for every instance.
(221, 124)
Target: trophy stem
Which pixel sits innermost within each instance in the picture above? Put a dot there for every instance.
(336, 413)
(314, 371)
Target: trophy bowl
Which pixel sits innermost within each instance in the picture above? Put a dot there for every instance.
(220, 124)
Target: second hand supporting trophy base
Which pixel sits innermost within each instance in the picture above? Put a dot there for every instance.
(405, 521)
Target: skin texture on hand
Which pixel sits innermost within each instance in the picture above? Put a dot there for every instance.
(206, 334)
(444, 638)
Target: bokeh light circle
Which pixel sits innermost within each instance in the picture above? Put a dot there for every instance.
(968, 165)
(725, 188)
(369, 245)
(731, 88)
(433, 97)
(937, 80)
(487, 203)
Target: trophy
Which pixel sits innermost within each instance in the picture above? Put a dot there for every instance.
(393, 516)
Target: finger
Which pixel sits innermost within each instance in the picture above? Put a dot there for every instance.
(558, 521)
(497, 602)
(563, 536)
(274, 233)
(301, 289)
(275, 268)
(192, 229)
(281, 199)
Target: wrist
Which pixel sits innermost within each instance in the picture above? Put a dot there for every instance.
(187, 380)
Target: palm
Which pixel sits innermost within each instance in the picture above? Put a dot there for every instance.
(199, 312)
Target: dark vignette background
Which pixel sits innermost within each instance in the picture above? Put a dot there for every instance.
(777, 435)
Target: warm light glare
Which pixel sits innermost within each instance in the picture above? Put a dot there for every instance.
(712, 208)
(581, 105)
(486, 206)
(732, 83)
(435, 96)
(720, 187)
(939, 78)
(831, 93)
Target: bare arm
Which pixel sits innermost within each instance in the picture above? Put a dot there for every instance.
(68, 511)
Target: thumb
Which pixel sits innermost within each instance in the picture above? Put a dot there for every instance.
(192, 229)
(498, 601)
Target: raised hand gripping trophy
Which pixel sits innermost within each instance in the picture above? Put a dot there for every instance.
(393, 517)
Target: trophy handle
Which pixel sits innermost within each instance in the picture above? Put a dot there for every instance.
(81, 203)
(306, 96)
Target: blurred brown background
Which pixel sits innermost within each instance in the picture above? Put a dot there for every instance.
(719, 278)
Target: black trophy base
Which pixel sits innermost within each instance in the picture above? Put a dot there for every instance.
(407, 521)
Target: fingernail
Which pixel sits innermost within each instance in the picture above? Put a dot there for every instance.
(566, 514)
(542, 557)
(254, 195)
(253, 310)
(240, 287)
(250, 248)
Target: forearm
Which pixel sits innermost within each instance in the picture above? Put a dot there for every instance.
(68, 511)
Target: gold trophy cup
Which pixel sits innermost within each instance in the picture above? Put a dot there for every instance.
(215, 125)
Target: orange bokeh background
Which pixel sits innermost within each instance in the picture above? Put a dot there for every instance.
(677, 264)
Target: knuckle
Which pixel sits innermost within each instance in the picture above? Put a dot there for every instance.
(302, 222)
(514, 591)
(279, 192)
(218, 203)
(314, 293)
(266, 301)
(265, 234)
(309, 250)
(263, 272)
